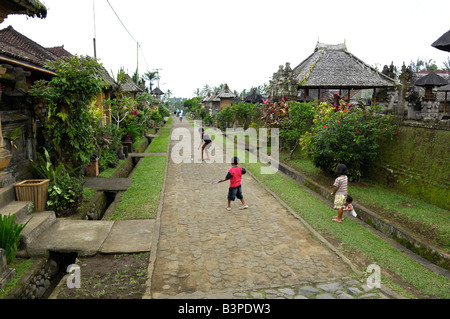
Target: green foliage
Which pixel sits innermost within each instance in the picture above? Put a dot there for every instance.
(346, 134)
(192, 105)
(68, 98)
(243, 113)
(224, 118)
(292, 118)
(44, 167)
(156, 116)
(108, 141)
(65, 194)
(163, 111)
(10, 235)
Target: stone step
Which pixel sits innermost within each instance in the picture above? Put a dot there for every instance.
(38, 224)
(7, 195)
(20, 209)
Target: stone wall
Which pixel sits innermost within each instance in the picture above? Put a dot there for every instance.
(417, 162)
(36, 281)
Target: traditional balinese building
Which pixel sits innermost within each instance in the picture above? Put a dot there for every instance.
(24, 63)
(334, 67)
(129, 88)
(157, 93)
(254, 98)
(329, 69)
(225, 97)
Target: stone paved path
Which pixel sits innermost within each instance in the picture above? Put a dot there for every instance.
(205, 251)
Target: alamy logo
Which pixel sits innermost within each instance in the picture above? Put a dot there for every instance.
(260, 141)
(74, 279)
(374, 280)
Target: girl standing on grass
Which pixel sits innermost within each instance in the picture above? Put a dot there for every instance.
(340, 191)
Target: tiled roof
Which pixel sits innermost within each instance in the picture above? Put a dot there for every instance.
(59, 51)
(17, 46)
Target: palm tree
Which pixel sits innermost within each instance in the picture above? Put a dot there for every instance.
(151, 77)
(206, 89)
(197, 92)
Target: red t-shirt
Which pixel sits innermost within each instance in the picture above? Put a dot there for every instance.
(235, 175)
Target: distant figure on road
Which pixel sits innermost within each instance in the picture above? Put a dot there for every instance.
(181, 115)
(340, 191)
(235, 175)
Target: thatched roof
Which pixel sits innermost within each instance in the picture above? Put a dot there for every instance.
(443, 43)
(129, 86)
(157, 91)
(108, 81)
(31, 8)
(253, 98)
(431, 79)
(333, 67)
(226, 93)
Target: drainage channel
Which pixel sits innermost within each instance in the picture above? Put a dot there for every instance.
(58, 262)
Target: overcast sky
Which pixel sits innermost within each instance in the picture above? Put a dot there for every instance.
(238, 42)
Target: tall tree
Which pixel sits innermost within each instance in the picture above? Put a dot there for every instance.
(151, 77)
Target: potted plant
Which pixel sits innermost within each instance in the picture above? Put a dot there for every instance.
(92, 167)
(33, 190)
(15, 134)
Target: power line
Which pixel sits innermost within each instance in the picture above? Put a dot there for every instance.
(139, 46)
(121, 21)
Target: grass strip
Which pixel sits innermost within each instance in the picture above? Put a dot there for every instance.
(427, 220)
(141, 200)
(21, 265)
(160, 143)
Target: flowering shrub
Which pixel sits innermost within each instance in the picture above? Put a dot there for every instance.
(292, 118)
(346, 134)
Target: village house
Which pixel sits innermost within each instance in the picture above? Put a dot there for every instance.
(329, 69)
(217, 102)
(23, 62)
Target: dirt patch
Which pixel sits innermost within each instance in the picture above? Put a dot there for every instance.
(109, 277)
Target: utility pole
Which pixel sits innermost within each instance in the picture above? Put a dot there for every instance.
(137, 63)
(95, 46)
(157, 72)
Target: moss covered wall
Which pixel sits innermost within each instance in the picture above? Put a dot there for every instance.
(417, 162)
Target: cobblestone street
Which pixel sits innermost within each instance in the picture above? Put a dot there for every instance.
(205, 251)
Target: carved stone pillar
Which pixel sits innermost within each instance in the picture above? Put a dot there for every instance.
(6, 178)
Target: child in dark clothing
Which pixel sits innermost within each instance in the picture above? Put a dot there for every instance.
(235, 175)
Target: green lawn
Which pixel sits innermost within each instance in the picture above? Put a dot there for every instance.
(160, 143)
(141, 200)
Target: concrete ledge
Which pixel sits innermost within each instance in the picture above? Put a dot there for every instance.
(80, 236)
(129, 236)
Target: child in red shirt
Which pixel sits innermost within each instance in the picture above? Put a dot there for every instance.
(235, 176)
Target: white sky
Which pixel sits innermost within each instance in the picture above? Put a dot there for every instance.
(240, 42)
